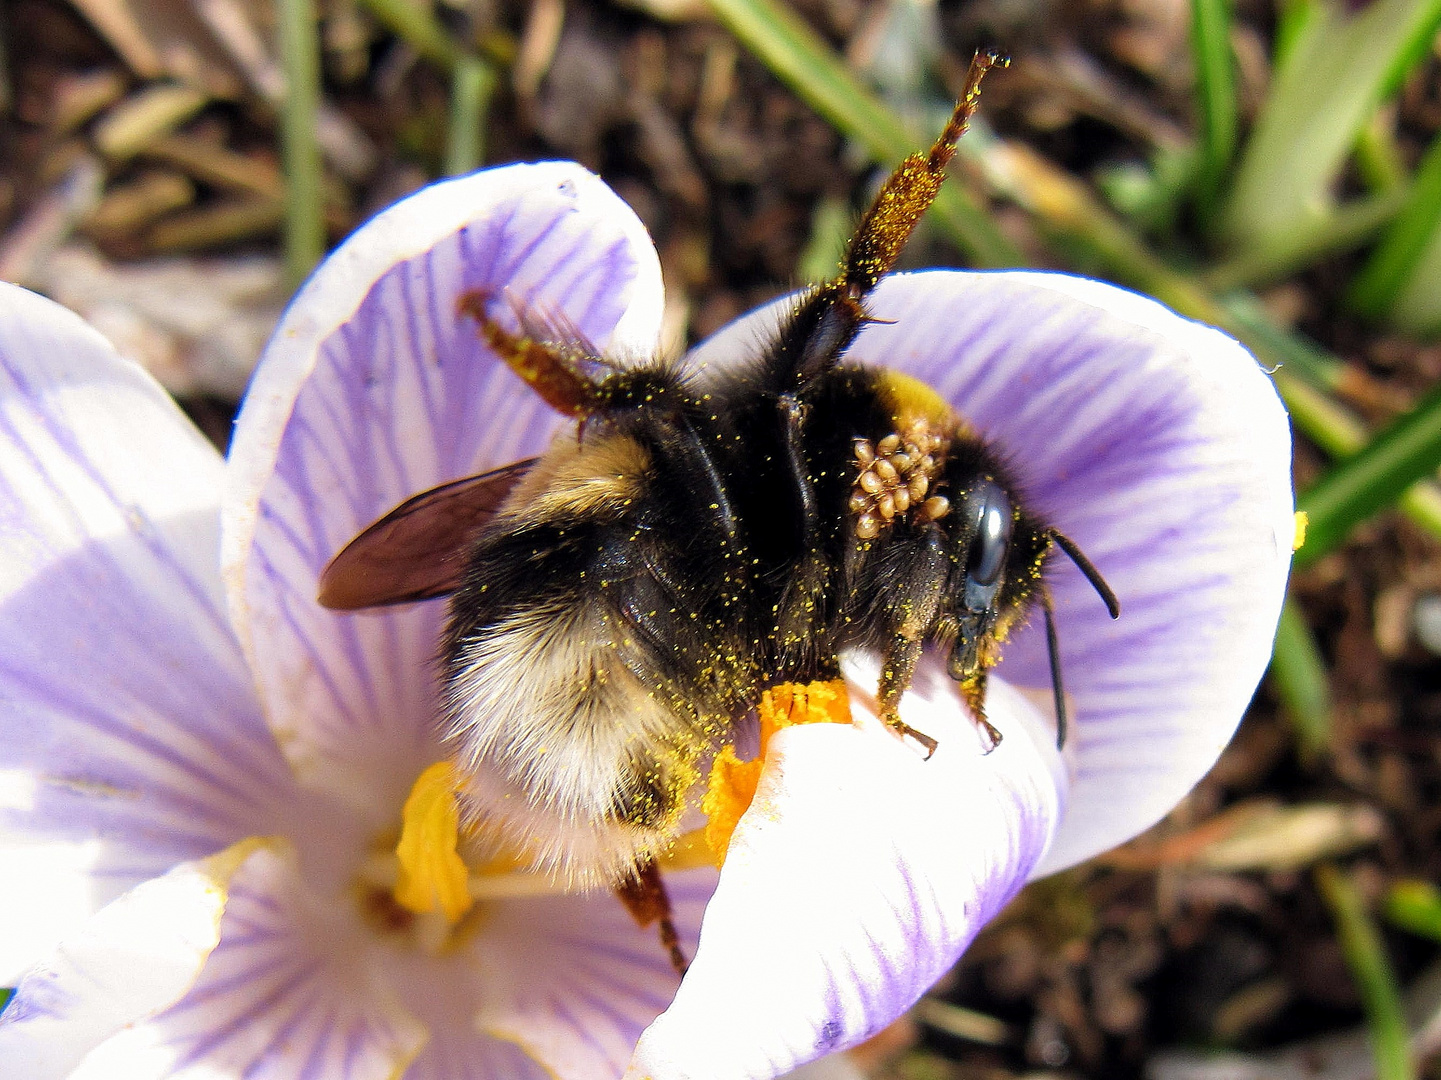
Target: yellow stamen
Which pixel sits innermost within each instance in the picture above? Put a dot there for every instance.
(432, 873)
(1302, 520)
(732, 783)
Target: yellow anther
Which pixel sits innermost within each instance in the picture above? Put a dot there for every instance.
(732, 784)
(432, 873)
(1302, 520)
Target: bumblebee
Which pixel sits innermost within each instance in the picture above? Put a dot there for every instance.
(619, 603)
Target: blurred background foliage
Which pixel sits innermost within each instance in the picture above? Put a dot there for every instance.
(171, 168)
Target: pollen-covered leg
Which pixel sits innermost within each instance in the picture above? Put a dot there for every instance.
(565, 373)
(645, 897)
(825, 324)
(908, 192)
(897, 667)
(911, 610)
(974, 691)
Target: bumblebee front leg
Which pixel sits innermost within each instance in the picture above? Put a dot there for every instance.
(898, 665)
(974, 691)
(914, 613)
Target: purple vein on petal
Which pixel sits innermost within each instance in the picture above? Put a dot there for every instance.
(198, 765)
(321, 669)
(216, 1036)
(65, 440)
(560, 1009)
(345, 634)
(430, 296)
(626, 1028)
(325, 1027)
(640, 991)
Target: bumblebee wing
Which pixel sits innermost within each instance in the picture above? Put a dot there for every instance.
(417, 551)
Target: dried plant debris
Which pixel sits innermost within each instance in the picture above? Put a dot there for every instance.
(196, 325)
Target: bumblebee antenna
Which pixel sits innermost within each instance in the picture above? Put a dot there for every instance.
(1085, 566)
(1053, 642)
(1053, 650)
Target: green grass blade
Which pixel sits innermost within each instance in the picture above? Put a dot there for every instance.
(1215, 93)
(1403, 247)
(1301, 682)
(1339, 434)
(300, 152)
(416, 25)
(1413, 49)
(1065, 209)
(1335, 74)
(798, 57)
(1366, 957)
(1293, 19)
(1301, 357)
(1370, 480)
(1415, 906)
(471, 84)
(831, 227)
(1348, 227)
(1379, 160)
(1418, 309)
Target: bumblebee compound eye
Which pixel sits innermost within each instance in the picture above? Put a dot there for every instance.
(989, 508)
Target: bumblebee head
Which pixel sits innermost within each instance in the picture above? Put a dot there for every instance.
(996, 551)
(950, 548)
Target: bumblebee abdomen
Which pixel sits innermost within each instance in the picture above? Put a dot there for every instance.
(586, 673)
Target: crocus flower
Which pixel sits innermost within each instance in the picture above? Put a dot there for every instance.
(203, 771)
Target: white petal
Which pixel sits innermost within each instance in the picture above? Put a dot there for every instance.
(573, 981)
(289, 993)
(855, 880)
(47, 892)
(376, 387)
(136, 957)
(131, 734)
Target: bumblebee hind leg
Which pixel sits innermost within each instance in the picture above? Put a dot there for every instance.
(823, 326)
(645, 897)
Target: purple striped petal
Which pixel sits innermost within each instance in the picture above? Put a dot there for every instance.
(136, 957)
(132, 739)
(1161, 448)
(375, 387)
(855, 880)
(573, 980)
(455, 1052)
(291, 992)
